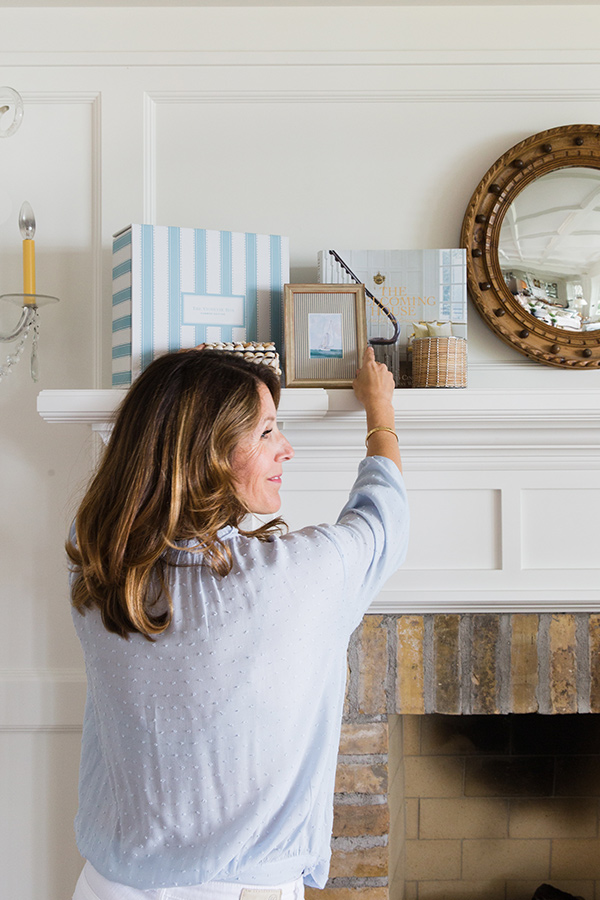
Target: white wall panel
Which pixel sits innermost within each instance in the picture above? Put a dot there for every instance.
(310, 496)
(299, 508)
(559, 529)
(454, 529)
(39, 802)
(50, 162)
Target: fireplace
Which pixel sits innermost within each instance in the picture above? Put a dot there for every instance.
(489, 624)
(463, 769)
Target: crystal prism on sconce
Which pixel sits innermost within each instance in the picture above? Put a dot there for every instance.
(29, 301)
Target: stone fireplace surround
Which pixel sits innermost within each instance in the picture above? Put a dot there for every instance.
(498, 625)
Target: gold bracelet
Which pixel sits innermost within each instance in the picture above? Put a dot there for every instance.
(380, 428)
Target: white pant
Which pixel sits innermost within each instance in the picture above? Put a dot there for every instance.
(93, 886)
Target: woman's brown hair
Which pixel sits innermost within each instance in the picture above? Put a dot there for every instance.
(165, 476)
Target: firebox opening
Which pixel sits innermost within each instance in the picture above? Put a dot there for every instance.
(492, 806)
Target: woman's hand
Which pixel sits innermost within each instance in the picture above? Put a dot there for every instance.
(374, 388)
(374, 383)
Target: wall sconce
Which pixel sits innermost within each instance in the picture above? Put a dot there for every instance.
(11, 111)
(30, 301)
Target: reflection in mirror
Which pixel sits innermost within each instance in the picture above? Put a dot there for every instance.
(532, 231)
(549, 249)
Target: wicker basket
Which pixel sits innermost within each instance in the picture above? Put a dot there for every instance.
(439, 362)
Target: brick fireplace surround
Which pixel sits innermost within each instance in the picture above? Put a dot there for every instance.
(473, 832)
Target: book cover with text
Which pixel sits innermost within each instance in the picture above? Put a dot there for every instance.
(418, 287)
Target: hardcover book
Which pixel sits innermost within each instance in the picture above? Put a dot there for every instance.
(425, 291)
(174, 288)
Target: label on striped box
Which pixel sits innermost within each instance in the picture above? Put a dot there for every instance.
(174, 288)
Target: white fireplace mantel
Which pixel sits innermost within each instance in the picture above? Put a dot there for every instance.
(427, 419)
(504, 488)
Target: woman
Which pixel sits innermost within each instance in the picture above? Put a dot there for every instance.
(216, 655)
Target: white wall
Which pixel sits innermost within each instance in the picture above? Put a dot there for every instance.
(365, 127)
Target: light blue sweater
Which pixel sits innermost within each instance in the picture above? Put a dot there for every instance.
(211, 753)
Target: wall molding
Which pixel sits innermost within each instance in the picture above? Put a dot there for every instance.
(412, 602)
(42, 700)
(149, 159)
(466, 57)
(97, 296)
(319, 95)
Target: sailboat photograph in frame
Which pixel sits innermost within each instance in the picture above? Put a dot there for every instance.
(325, 331)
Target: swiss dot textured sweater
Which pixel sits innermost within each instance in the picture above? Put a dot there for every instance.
(210, 754)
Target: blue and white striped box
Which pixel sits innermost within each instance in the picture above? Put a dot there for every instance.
(174, 288)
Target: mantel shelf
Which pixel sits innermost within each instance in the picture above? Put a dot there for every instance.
(425, 408)
(452, 428)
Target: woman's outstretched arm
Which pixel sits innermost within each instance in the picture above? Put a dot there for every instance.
(374, 388)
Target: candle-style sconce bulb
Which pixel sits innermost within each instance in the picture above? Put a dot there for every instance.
(26, 222)
(27, 228)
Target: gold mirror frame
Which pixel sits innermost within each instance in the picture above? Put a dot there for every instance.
(557, 148)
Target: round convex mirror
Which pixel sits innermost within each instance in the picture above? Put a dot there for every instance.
(532, 232)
